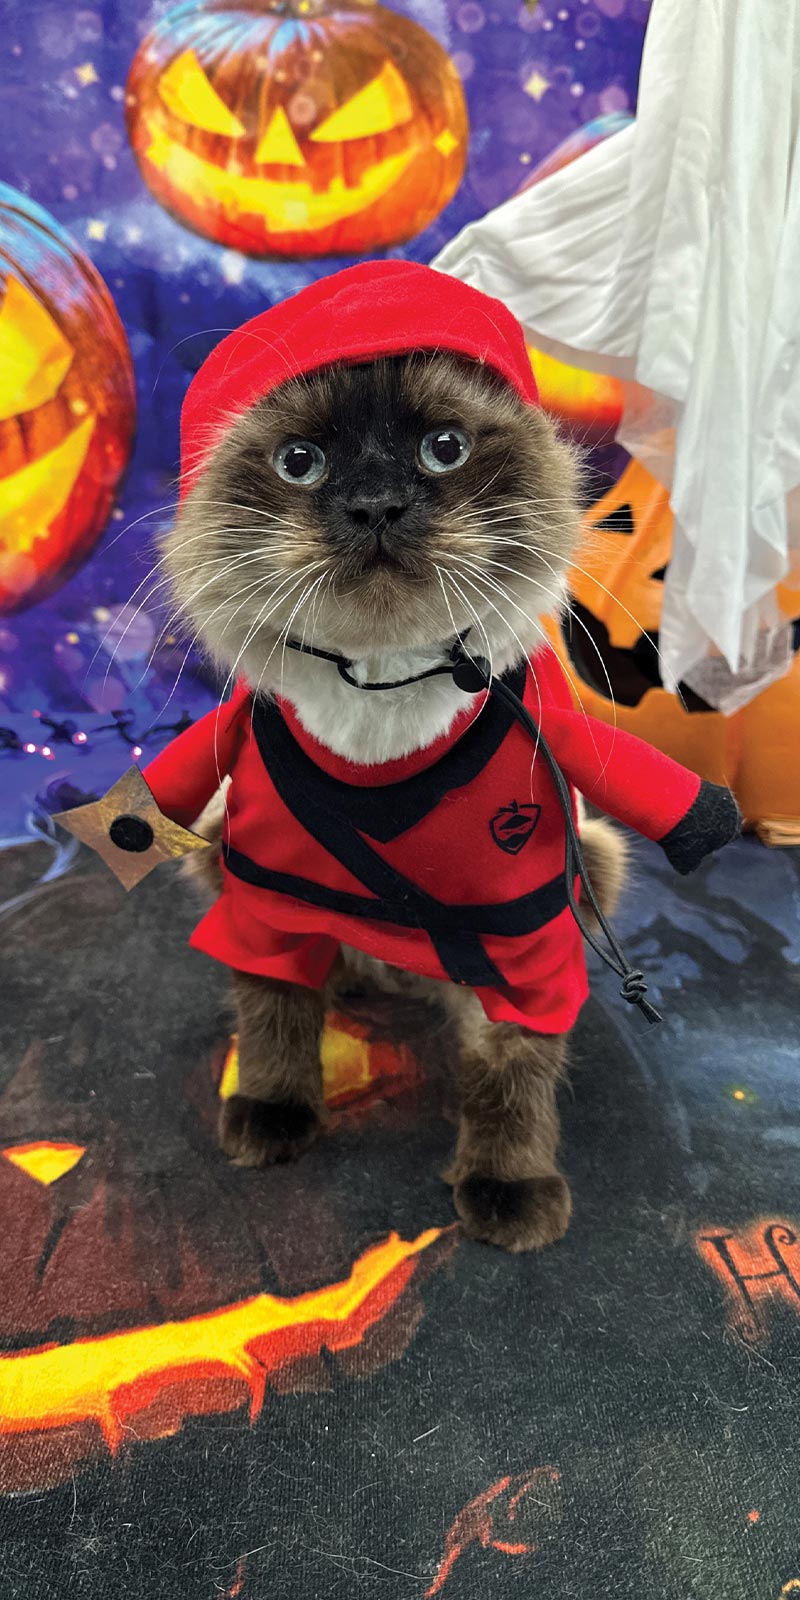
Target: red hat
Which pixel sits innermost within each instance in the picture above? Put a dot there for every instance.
(379, 308)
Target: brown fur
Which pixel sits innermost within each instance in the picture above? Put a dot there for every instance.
(606, 853)
(506, 1186)
(277, 1111)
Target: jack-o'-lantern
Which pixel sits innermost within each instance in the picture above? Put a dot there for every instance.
(143, 1282)
(610, 651)
(297, 127)
(67, 403)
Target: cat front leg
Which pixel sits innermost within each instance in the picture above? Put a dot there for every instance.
(277, 1110)
(507, 1188)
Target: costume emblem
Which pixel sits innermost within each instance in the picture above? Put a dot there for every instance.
(512, 826)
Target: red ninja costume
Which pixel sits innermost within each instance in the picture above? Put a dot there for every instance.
(451, 862)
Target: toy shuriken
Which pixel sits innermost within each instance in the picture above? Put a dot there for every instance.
(127, 830)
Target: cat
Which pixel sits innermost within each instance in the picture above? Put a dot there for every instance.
(378, 511)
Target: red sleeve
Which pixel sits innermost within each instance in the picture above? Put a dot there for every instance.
(183, 778)
(620, 774)
(643, 788)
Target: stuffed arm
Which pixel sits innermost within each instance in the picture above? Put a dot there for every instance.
(146, 816)
(643, 788)
(183, 777)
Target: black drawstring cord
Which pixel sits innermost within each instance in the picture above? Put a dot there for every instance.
(473, 674)
(343, 665)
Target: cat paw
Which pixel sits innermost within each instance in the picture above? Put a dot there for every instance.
(259, 1133)
(525, 1214)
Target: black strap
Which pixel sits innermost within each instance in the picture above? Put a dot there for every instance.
(459, 949)
(510, 919)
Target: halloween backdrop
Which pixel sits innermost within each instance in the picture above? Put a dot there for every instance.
(167, 173)
(301, 1382)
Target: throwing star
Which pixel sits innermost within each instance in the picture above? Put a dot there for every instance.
(127, 830)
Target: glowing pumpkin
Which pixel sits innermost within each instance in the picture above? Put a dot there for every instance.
(612, 646)
(67, 403)
(120, 1321)
(587, 404)
(297, 127)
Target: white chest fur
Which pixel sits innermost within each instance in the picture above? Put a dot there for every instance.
(370, 728)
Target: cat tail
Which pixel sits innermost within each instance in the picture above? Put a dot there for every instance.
(607, 854)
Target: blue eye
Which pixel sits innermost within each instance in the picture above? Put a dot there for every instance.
(444, 449)
(301, 462)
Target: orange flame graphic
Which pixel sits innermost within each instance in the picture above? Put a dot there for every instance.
(143, 1382)
(355, 1066)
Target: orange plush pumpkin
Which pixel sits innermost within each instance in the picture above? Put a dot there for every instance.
(297, 127)
(612, 645)
(67, 403)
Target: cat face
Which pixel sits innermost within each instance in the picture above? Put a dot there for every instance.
(376, 507)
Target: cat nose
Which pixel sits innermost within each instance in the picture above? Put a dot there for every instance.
(376, 512)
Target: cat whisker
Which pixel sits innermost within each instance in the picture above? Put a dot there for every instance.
(526, 656)
(286, 626)
(471, 611)
(155, 511)
(562, 605)
(508, 599)
(304, 598)
(249, 591)
(247, 558)
(278, 595)
(617, 602)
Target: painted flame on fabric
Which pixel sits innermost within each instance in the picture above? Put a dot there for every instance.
(145, 1380)
(354, 1065)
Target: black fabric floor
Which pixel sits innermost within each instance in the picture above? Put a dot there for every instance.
(303, 1384)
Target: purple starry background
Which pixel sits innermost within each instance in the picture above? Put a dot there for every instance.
(531, 78)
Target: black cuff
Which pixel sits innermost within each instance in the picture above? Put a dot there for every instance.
(712, 821)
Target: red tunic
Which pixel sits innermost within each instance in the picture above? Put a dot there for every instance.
(448, 864)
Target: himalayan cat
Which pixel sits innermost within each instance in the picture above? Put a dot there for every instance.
(377, 511)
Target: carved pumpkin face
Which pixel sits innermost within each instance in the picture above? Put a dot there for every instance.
(293, 127)
(66, 403)
(148, 1292)
(616, 598)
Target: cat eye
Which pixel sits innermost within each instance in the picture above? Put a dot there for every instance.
(301, 462)
(443, 449)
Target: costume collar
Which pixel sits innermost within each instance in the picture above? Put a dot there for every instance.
(376, 775)
(385, 806)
